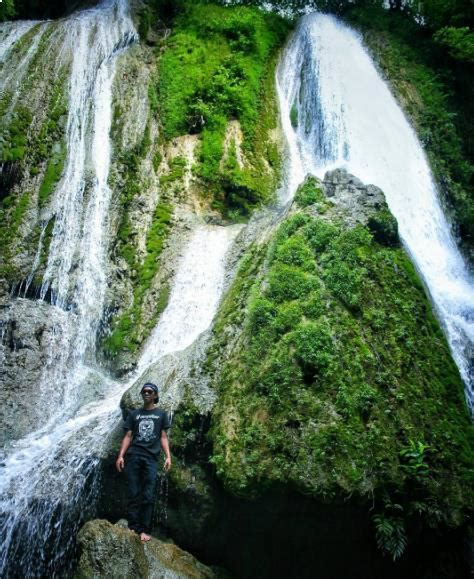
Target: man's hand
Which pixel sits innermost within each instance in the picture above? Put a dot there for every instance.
(167, 464)
(119, 464)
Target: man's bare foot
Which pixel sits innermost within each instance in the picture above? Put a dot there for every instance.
(145, 537)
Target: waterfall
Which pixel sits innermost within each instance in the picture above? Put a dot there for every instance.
(51, 476)
(45, 479)
(198, 288)
(75, 275)
(338, 112)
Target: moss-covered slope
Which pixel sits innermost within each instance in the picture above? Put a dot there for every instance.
(218, 66)
(340, 383)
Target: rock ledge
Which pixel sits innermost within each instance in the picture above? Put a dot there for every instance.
(108, 550)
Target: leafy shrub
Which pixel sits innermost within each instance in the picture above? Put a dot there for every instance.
(319, 234)
(295, 251)
(390, 534)
(458, 41)
(261, 313)
(309, 192)
(288, 316)
(413, 457)
(286, 282)
(345, 281)
(280, 378)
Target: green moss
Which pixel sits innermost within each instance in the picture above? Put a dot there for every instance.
(217, 66)
(12, 212)
(310, 192)
(127, 331)
(340, 368)
(54, 170)
(177, 168)
(15, 137)
(35, 147)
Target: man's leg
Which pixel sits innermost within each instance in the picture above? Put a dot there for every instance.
(149, 471)
(132, 470)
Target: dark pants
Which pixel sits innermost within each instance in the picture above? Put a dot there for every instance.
(141, 476)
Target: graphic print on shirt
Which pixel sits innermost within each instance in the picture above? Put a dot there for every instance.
(146, 430)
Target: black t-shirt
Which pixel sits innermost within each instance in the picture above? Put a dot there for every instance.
(146, 427)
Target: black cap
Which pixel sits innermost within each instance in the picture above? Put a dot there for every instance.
(154, 387)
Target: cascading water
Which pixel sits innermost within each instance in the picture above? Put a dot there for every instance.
(10, 34)
(56, 469)
(35, 489)
(75, 273)
(337, 111)
(49, 479)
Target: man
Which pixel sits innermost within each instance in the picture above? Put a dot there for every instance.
(146, 434)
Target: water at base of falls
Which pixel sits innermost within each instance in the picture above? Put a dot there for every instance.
(347, 117)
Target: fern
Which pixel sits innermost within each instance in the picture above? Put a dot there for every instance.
(390, 535)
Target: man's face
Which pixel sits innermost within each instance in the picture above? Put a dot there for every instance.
(148, 394)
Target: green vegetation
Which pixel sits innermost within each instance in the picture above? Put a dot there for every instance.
(54, 170)
(310, 193)
(15, 137)
(126, 328)
(218, 66)
(177, 168)
(341, 383)
(29, 145)
(12, 212)
(10, 9)
(7, 10)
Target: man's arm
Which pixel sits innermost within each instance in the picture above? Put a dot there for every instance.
(166, 449)
(127, 439)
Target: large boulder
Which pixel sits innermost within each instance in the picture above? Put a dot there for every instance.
(108, 550)
(28, 328)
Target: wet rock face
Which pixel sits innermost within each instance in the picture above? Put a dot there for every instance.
(27, 329)
(113, 551)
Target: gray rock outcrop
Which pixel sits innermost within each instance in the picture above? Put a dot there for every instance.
(353, 201)
(114, 551)
(27, 330)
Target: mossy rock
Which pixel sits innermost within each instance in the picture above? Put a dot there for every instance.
(340, 370)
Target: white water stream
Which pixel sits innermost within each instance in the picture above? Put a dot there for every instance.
(348, 118)
(55, 467)
(49, 478)
(10, 34)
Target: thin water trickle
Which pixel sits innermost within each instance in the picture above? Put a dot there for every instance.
(345, 116)
(163, 511)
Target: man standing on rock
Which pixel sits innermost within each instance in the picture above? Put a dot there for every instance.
(146, 434)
